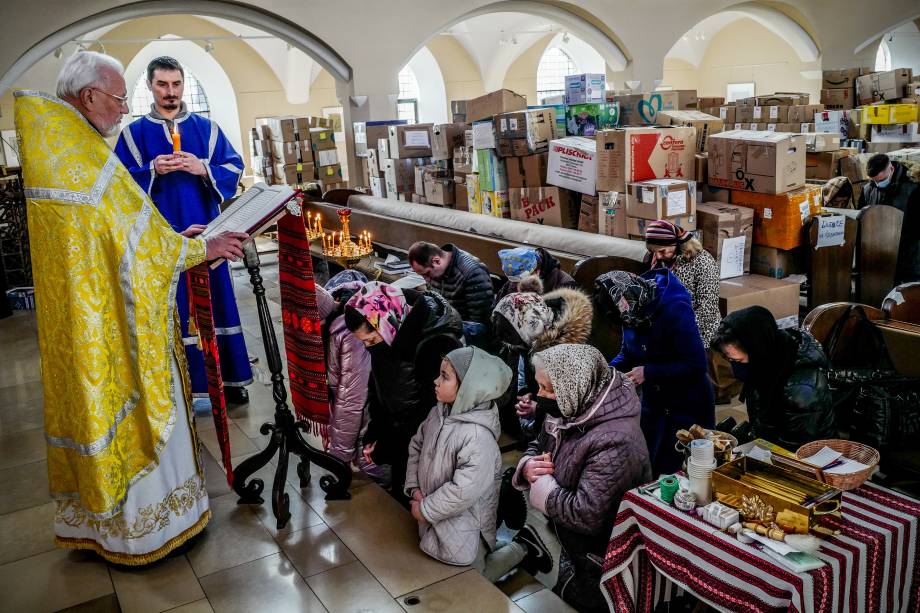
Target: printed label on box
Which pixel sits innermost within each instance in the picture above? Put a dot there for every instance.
(831, 231)
(513, 123)
(677, 203)
(804, 127)
(757, 111)
(416, 138)
(804, 210)
(768, 213)
(732, 261)
(774, 112)
(737, 126)
(723, 113)
(771, 127)
(503, 124)
(648, 195)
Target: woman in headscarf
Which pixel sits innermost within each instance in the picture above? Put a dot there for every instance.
(838, 194)
(663, 353)
(784, 374)
(590, 452)
(525, 323)
(535, 267)
(407, 334)
(348, 368)
(674, 248)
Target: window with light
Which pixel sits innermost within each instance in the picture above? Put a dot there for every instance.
(883, 56)
(554, 67)
(407, 102)
(193, 95)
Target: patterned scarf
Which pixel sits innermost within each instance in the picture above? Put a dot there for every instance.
(527, 313)
(383, 306)
(638, 292)
(578, 373)
(303, 339)
(202, 317)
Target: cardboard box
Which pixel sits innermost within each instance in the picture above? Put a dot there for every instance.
(326, 157)
(587, 119)
(776, 263)
(775, 114)
(262, 147)
(854, 167)
(573, 164)
(329, 174)
(766, 162)
(367, 133)
(643, 109)
(291, 152)
(426, 173)
(661, 199)
(526, 171)
(378, 187)
(635, 226)
(704, 124)
(587, 214)
(824, 165)
(525, 132)
(461, 196)
(882, 86)
(728, 115)
(842, 79)
(463, 159)
(841, 99)
(716, 222)
(888, 113)
(701, 167)
(687, 99)
(484, 136)
(818, 142)
(584, 88)
(779, 296)
(321, 139)
(782, 99)
(411, 141)
(293, 174)
(559, 129)
(548, 206)
(496, 204)
(493, 176)
(833, 122)
(779, 218)
(745, 114)
(627, 155)
(473, 194)
(710, 193)
(803, 113)
(898, 133)
(705, 102)
(493, 103)
(445, 137)
(383, 150)
(374, 167)
(440, 191)
(400, 174)
(288, 128)
(611, 214)
(458, 109)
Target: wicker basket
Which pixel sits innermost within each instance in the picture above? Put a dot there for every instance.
(850, 449)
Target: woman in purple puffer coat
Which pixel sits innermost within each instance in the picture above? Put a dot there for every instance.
(348, 368)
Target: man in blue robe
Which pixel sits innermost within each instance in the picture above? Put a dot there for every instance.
(188, 187)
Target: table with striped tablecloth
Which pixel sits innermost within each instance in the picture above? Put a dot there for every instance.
(657, 551)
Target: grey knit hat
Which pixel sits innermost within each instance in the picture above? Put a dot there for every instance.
(461, 359)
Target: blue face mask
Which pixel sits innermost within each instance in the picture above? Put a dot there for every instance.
(885, 182)
(740, 370)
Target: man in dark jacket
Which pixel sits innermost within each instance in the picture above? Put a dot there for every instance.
(462, 279)
(897, 184)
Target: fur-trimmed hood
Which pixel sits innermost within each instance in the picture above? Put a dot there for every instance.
(572, 323)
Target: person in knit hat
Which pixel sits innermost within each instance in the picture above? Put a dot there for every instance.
(674, 248)
(454, 471)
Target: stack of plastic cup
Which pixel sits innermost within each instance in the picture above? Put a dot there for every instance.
(699, 469)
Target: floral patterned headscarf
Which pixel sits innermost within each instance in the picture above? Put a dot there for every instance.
(527, 313)
(383, 306)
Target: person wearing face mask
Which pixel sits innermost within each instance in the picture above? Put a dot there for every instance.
(785, 378)
(663, 353)
(674, 248)
(590, 452)
(455, 467)
(407, 333)
(897, 184)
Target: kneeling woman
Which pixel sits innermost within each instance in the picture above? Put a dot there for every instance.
(590, 452)
(784, 374)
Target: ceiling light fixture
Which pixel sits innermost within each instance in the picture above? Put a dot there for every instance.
(208, 47)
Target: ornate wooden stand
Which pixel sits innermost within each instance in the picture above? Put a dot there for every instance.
(285, 432)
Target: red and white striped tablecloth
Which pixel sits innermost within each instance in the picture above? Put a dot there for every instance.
(656, 551)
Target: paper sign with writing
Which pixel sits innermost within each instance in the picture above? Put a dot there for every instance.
(732, 261)
(677, 203)
(831, 231)
(416, 138)
(648, 195)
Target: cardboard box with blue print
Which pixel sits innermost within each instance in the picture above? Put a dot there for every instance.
(588, 119)
(548, 206)
(661, 199)
(643, 109)
(493, 175)
(585, 88)
(765, 162)
(524, 132)
(411, 141)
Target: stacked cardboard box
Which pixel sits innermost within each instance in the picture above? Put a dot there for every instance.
(838, 88)
(780, 218)
(302, 150)
(718, 222)
(670, 199)
(765, 162)
(705, 125)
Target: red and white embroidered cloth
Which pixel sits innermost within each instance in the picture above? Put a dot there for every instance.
(656, 551)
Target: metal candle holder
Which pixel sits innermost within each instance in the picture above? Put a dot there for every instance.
(345, 250)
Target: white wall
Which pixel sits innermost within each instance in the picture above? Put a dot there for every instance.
(905, 47)
(216, 84)
(432, 95)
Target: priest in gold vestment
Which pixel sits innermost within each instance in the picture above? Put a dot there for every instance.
(123, 458)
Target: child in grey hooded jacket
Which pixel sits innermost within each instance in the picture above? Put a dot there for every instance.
(454, 471)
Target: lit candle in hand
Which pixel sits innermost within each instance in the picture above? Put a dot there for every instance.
(177, 141)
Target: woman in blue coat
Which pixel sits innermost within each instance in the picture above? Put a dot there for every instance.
(663, 353)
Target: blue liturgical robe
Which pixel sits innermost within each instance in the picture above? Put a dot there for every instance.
(185, 199)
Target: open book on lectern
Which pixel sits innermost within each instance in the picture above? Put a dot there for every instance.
(251, 212)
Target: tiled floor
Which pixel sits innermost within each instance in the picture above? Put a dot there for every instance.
(356, 555)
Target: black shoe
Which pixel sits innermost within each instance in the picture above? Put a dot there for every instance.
(236, 395)
(538, 559)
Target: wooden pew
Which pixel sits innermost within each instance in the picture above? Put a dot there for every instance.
(830, 268)
(903, 303)
(877, 252)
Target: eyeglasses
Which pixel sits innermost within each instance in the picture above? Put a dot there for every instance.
(122, 99)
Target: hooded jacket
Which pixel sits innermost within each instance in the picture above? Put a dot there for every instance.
(455, 461)
(598, 454)
(404, 373)
(466, 285)
(904, 194)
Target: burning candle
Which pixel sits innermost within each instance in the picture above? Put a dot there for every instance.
(177, 140)
(319, 223)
